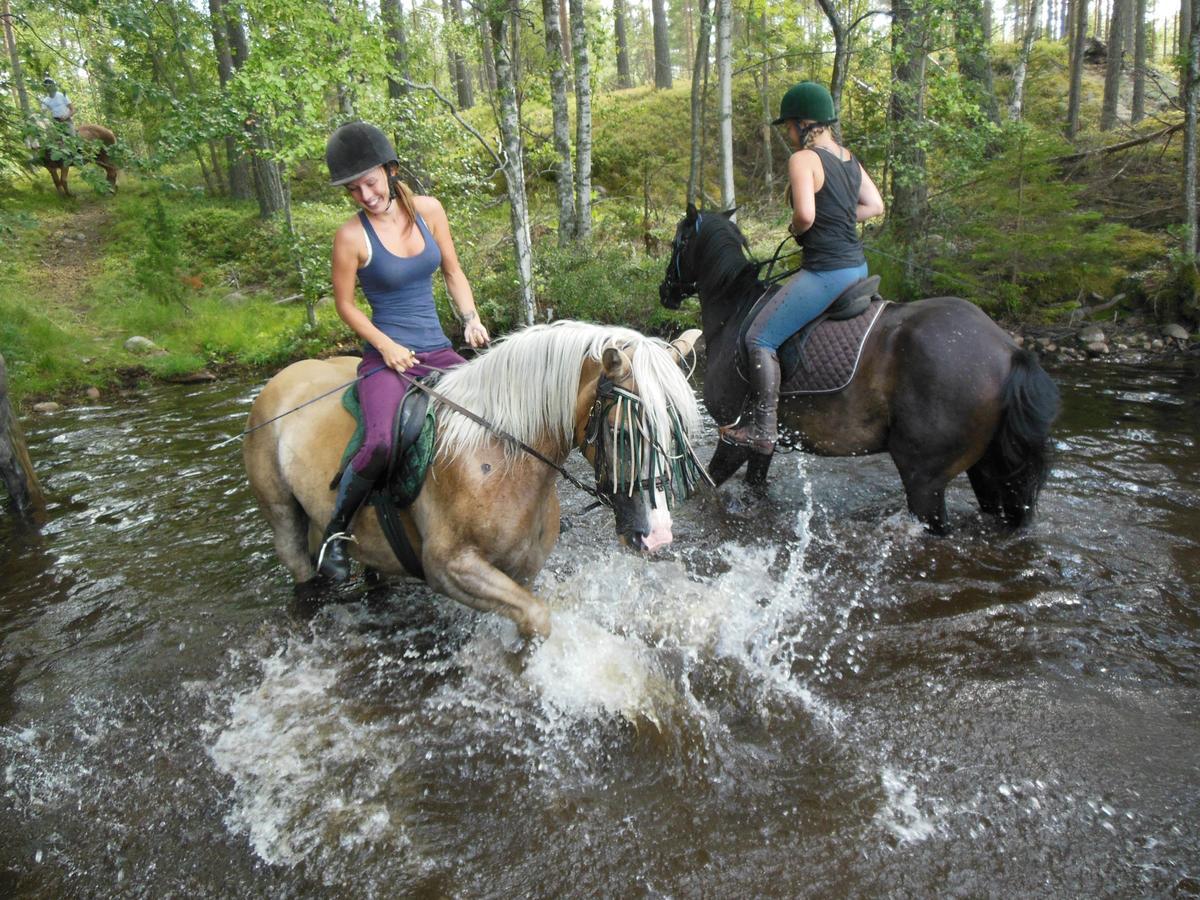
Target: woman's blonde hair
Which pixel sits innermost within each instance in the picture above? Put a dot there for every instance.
(402, 191)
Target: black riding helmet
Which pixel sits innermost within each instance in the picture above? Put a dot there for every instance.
(355, 149)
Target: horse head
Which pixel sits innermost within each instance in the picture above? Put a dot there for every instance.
(637, 433)
(697, 234)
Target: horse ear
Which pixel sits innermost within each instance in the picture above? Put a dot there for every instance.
(683, 345)
(617, 365)
(730, 213)
(692, 212)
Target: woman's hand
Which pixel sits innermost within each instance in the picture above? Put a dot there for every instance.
(475, 334)
(397, 356)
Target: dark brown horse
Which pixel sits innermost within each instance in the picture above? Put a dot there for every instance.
(940, 386)
(92, 141)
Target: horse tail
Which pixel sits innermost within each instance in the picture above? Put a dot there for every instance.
(1021, 446)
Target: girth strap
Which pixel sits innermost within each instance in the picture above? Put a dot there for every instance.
(397, 537)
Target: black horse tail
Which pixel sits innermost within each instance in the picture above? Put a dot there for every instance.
(1021, 446)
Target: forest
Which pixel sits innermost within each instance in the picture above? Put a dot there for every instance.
(1037, 157)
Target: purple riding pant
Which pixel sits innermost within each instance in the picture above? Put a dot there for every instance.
(380, 396)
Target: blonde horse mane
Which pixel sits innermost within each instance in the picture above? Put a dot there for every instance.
(528, 383)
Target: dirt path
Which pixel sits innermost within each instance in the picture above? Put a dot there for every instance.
(71, 250)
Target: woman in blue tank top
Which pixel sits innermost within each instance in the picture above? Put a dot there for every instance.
(391, 249)
(830, 193)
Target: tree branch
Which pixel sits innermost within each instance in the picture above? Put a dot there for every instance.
(454, 112)
(1114, 148)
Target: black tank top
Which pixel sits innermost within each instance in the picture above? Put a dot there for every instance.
(833, 242)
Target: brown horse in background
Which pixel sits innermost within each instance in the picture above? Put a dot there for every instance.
(98, 139)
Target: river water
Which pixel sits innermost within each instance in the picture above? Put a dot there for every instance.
(806, 696)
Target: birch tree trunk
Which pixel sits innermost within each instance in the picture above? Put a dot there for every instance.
(564, 177)
(583, 123)
(514, 173)
(624, 80)
(662, 46)
(725, 99)
(1112, 70)
(1079, 41)
(1017, 102)
(14, 58)
(701, 60)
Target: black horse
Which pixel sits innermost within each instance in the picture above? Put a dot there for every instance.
(939, 386)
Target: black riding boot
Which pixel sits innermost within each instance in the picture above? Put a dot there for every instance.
(763, 432)
(352, 490)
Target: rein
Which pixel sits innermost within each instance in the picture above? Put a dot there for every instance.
(512, 439)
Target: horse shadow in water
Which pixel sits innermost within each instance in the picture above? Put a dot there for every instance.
(90, 143)
(939, 386)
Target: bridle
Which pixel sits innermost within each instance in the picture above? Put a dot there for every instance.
(683, 467)
(674, 280)
(635, 449)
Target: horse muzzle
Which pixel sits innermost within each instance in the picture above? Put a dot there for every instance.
(641, 527)
(669, 295)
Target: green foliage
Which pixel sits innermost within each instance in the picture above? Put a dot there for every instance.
(157, 267)
(1019, 234)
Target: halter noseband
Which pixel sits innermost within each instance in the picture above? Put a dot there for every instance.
(685, 288)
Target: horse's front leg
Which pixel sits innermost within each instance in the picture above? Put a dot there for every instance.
(466, 576)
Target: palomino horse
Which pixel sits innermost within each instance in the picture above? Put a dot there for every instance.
(488, 514)
(96, 138)
(939, 386)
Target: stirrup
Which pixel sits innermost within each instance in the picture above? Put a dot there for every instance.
(336, 536)
(739, 436)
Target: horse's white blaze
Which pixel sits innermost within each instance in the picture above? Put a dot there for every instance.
(660, 524)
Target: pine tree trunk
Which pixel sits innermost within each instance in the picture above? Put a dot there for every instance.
(1112, 70)
(701, 59)
(1187, 22)
(1190, 162)
(725, 99)
(583, 124)
(907, 119)
(662, 46)
(764, 96)
(514, 173)
(623, 77)
(564, 176)
(974, 60)
(224, 29)
(393, 21)
(1017, 102)
(1078, 42)
(1137, 107)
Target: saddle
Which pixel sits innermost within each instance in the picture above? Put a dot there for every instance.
(823, 355)
(413, 431)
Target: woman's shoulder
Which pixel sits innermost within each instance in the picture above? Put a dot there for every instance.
(350, 230)
(429, 207)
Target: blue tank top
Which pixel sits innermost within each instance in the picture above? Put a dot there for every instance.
(400, 291)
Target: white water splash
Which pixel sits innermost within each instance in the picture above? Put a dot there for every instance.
(901, 813)
(308, 777)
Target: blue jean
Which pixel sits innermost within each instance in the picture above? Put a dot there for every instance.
(804, 297)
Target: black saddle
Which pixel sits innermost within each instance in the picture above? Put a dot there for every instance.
(853, 301)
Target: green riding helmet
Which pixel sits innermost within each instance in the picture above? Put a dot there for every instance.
(354, 150)
(807, 100)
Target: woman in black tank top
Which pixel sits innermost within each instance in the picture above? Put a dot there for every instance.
(830, 194)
